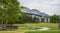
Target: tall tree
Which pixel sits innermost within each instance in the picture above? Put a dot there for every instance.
(54, 18)
(9, 10)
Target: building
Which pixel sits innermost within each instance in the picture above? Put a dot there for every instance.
(43, 17)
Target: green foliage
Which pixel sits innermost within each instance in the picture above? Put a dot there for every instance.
(9, 10)
(26, 18)
(35, 20)
(54, 18)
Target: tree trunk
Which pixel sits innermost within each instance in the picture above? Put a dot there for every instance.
(5, 23)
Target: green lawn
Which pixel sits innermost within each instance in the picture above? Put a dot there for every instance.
(49, 31)
(25, 27)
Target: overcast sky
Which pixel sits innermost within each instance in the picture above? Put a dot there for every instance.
(48, 6)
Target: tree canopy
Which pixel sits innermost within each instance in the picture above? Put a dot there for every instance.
(54, 18)
(9, 10)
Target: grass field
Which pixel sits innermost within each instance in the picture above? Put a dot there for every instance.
(25, 27)
(49, 31)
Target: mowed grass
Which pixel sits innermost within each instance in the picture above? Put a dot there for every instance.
(49, 31)
(25, 27)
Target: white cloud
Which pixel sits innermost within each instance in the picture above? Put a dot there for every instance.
(47, 6)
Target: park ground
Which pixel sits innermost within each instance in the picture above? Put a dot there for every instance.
(22, 28)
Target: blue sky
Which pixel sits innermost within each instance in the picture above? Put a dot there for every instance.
(48, 6)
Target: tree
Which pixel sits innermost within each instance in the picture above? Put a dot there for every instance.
(9, 10)
(54, 18)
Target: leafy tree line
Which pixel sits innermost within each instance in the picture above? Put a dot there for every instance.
(26, 18)
(54, 18)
